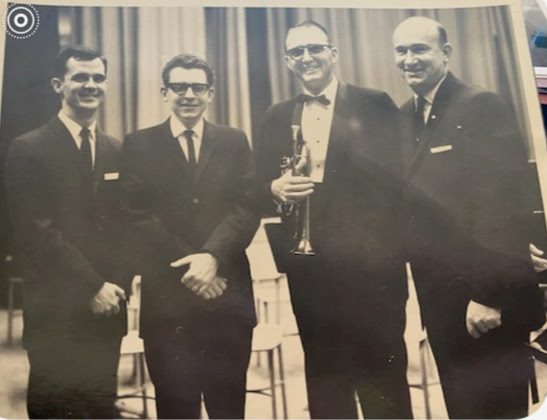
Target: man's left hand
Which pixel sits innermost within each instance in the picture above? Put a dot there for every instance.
(480, 319)
(538, 258)
(203, 269)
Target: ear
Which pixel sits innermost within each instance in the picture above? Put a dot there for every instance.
(289, 62)
(334, 54)
(210, 94)
(447, 49)
(57, 85)
(163, 91)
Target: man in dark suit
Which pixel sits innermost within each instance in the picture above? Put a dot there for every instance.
(61, 181)
(468, 229)
(349, 298)
(186, 190)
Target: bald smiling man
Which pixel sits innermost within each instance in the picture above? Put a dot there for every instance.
(468, 227)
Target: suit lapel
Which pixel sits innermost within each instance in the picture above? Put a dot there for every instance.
(338, 130)
(169, 148)
(442, 99)
(208, 143)
(65, 148)
(101, 151)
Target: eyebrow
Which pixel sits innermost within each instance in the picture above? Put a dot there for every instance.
(410, 46)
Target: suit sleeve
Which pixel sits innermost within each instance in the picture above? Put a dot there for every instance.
(503, 192)
(235, 232)
(150, 241)
(42, 245)
(267, 162)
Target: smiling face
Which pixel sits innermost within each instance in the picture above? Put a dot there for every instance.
(420, 54)
(82, 87)
(313, 68)
(188, 106)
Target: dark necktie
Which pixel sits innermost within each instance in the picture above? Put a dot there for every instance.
(192, 162)
(322, 99)
(419, 114)
(85, 153)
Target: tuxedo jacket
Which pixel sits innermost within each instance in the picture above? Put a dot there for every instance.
(68, 233)
(355, 213)
(469, 200)
(173, 215)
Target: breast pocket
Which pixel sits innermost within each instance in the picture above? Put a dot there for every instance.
(436, 150)
(108, 194)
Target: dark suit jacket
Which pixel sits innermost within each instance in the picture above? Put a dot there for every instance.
(470, 199)
(355, 212)
(173, 216)
(68, 235)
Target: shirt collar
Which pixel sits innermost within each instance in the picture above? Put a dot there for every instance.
(74, 128)
(329, 91)
(177, 127)
(430, 96)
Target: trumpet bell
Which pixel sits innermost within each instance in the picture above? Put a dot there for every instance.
(303, 248)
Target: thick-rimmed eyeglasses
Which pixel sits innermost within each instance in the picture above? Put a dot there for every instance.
(314, 50)
(182, 88)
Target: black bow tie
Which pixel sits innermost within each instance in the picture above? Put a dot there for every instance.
(322, 99)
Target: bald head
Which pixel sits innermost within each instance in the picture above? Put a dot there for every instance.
(422, 52)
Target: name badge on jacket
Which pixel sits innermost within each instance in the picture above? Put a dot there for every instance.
(441, 149)
(111, 176)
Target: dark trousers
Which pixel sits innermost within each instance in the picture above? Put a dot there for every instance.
(207, 360)
(481, 378)
(74, 377)
(347, 352)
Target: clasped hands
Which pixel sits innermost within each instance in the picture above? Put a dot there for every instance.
(106, 301)
(201, 277)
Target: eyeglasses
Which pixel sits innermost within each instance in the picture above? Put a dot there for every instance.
(314, 50)
(182, 88)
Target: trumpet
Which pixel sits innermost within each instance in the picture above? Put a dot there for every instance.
(298, 164)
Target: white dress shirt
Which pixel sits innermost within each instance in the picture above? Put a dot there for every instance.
(316, 126)
(75, 129)
(429, 98)
(178, 128)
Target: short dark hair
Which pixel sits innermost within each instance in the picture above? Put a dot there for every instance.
(310, 24)
(187, 61)
(79, 53)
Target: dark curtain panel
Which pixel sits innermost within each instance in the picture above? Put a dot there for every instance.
(27, 102)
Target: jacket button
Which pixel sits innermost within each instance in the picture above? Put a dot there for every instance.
(195, 200)
(179, 330)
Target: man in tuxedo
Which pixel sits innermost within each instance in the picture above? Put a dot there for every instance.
(468, 226)
(187, 186)
(349, 298)
(62, 188)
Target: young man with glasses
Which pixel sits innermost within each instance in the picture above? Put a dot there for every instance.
(62, 187)
(349, 298)
(186, 189)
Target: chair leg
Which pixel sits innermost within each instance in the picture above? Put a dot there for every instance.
(142, 385)
(282, 382)
(10, 313)
(425, 388)
(277, 301)
(258, 319)
(272, 382)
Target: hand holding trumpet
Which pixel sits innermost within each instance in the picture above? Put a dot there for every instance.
(291, 188)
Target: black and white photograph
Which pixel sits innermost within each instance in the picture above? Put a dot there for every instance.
(273, 209)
